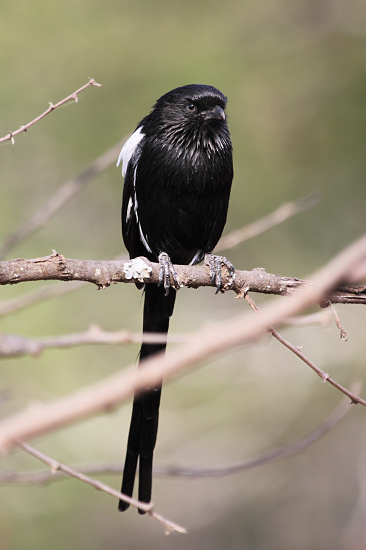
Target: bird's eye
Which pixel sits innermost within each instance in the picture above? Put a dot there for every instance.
(191, 107)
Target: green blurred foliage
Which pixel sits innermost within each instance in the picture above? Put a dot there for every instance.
(295, 76)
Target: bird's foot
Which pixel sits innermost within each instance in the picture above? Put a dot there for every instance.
(215, 265)
(167, 274)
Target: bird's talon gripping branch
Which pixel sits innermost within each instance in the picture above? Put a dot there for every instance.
(215, 264)
(167, 273)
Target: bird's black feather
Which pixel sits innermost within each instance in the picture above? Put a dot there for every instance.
(178, 172)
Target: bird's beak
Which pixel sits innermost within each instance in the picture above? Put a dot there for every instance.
(215, 113)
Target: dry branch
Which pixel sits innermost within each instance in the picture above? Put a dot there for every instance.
(60, 198)
(208, 342)
(36, 296)
(74, 96)
(55, 465)
(104, 273)
(42, 477)
(297, 351)
(282, 213)
(12, 345)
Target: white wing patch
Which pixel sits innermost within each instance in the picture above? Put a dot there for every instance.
(135, 206)
(132, 204)
(196, 256)
(125, 156)
(129, 208)
(129, 148)
(143, 239)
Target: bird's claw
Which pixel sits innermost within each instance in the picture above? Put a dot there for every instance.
(167, 274)
(215, 264)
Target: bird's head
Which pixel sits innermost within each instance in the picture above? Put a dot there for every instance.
(195, 112)
(194, 103)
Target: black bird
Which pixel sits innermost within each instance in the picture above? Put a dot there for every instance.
(178, 171)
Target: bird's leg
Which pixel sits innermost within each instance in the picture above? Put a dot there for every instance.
(215, 264)
(167, 273)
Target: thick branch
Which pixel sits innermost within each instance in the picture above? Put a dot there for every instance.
(104, 273)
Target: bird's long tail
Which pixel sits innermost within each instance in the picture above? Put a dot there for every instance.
(145, 413)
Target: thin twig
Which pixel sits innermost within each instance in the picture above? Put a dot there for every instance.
(55, 465)
(276, 217)
(38, 295)
(297, 351)
(322, 374)
(59, 199)
(295, 447)
(74, 96)
(342, 333)
(42, 477)
(322, 318)
(13, 345)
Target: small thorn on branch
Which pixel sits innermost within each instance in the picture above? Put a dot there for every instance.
(92, 82)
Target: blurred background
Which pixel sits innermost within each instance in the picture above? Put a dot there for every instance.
(295, 76)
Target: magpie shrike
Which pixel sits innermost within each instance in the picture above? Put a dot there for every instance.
(178, 170)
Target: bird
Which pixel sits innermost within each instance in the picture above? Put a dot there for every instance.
(178, 171)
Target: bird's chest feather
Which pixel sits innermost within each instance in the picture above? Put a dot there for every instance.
(182, 166)
(182, 194)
